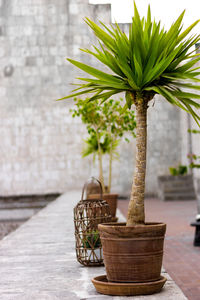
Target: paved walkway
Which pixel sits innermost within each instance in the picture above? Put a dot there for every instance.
(181, 258)
(38, 261)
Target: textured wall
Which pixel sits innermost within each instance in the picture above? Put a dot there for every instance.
(164, 140)
(40, 142)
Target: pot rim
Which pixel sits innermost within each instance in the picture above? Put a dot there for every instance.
(105, 194)
(123, 224)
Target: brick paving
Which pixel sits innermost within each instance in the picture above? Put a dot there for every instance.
(181, 258)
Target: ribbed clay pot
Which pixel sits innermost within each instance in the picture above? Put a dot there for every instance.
(111, 199)
(132, 254)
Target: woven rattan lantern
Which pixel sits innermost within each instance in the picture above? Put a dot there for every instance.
(88, 214)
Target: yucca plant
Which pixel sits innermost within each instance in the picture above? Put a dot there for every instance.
(151, 60)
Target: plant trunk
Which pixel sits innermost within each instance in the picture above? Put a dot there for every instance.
(136, 214)
(101, 178)
(110, 170)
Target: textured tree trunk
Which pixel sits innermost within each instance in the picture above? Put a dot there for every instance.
(110, 170)
(136, 214)
(101, 178)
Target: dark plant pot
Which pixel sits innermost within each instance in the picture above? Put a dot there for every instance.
(111, 199)
(179, 187)
(92, 188)
(132, 254)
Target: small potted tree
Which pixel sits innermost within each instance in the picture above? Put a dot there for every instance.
(179, 185)
(106, 126)
(150, 61)
(176, 186)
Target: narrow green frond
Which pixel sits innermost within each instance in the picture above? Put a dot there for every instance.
(103, 85)
(187, 31)
(191, 102)
(108, 59)
(105, 95)
(151, 75)
(95, 72)
(82, 86)
(129, 100)
(187, 65)
(186, 95)
(182, 55)
(101, 34)
(148, 22)
(175, 28)
(106, 27)
(77, 94)
(136, 14)
(127, 71)
(138, 69)
(187, 85)
(191, 111)
(169, 95)
(179, 76)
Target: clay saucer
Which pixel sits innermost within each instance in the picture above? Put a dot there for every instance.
(127, 289)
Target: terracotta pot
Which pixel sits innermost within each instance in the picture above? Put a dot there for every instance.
(92, 188)
(132, 254)
(111, 199)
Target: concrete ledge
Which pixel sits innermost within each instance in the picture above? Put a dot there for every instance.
(38, 260)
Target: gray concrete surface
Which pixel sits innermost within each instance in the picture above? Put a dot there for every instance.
(38, 260)
(17, 214)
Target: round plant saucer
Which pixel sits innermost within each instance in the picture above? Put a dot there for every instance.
(103, 286)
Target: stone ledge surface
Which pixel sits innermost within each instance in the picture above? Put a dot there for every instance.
(38, 260)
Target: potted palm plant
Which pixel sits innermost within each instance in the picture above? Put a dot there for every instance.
(176, 186)
(106, 126)
(151, 60)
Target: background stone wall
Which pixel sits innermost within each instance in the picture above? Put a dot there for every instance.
(40, 142)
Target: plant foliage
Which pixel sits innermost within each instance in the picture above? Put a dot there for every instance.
(180, 170)
(194, 159)
(91, 240)
(106, 125)
(108, 122)
(151, 60)
(106, 144)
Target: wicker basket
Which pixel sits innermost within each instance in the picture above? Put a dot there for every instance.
(88, 214)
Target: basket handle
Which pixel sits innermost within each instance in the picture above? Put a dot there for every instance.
(89, 181)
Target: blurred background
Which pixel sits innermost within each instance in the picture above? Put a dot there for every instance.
(41, 144)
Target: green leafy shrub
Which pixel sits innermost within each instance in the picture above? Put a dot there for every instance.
(180, 170)
(91, 240)
(106, 125)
